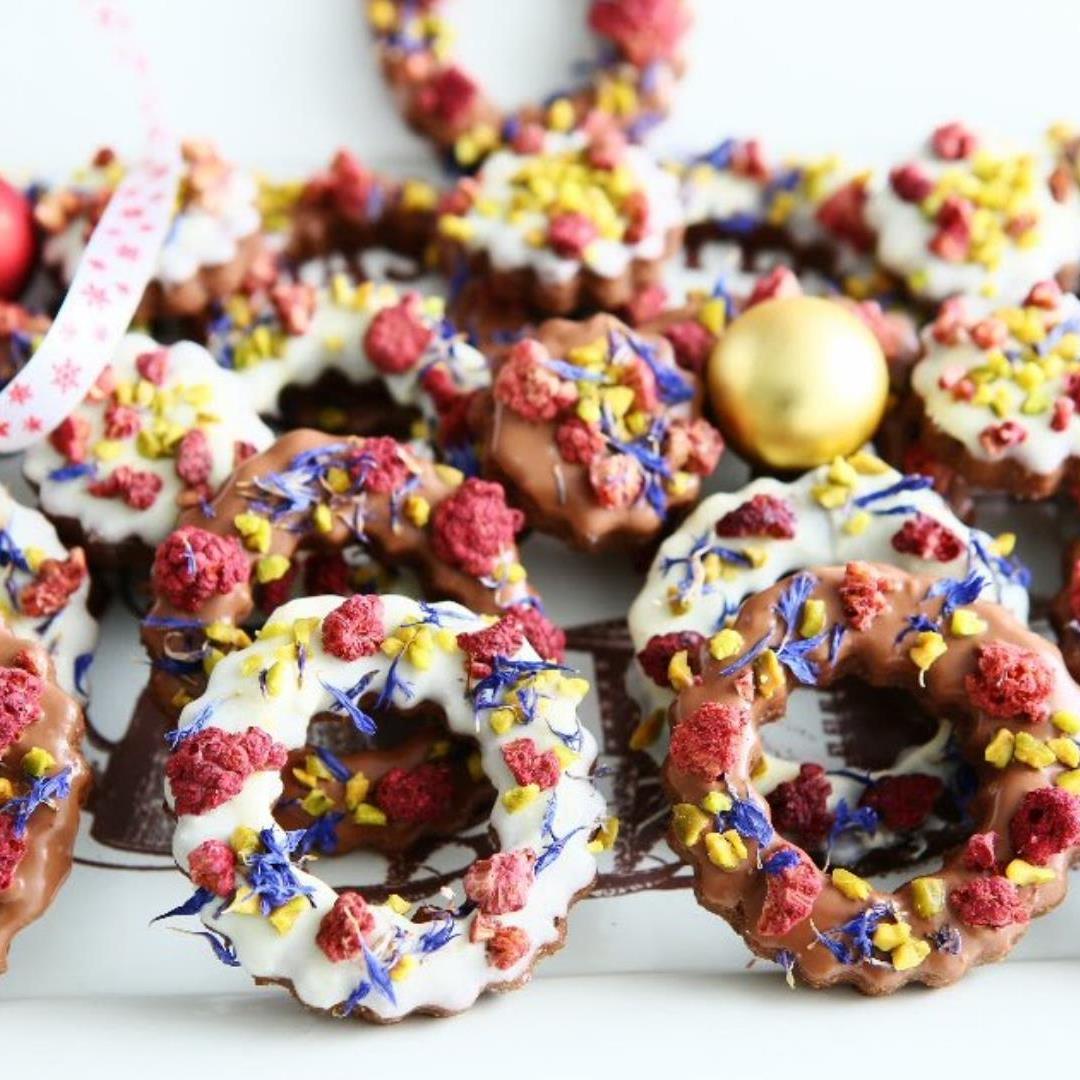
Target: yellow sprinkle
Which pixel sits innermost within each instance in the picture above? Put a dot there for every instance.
(813, 621)
(842, 473)
(323, 519)
(7, 790)
(999, 751)
(366, 814)
(851, 885)
(605, 837)
(398, 904)
(929, 646)
(338, 480)
(679, 674)
(713, 316)
(830, 496)
(1032, 751)
(405, 966)
(689, 823)
(966, 623)
(575, 686)
(768, 674)
(1067, 722)
(589, 411)
(725, 850)
(858, 523)
(566, 756)
(909, 955)
(211, 659)
(1065, 750)
(561, 115)
(725, 643)
(1023, 873)
(108, 449)
(517, 798)
(456, 228)
(283, 918)
(251, 665)
(304, 778)
(271, 568)
(244, 841)
(317, 802)
(889, 936)
(1069, 781)
(38, 762)
(245, 902)
(417, 510)
(716, 802)
(867, 464)
(255, 531)
(647, 731)
(928, 894)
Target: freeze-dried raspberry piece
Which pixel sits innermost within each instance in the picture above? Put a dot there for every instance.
(778, 283)
(543, 635)
(692, 344)
(506, 947)
(704, 446)
(636, 210)
(1044, 294)
(72, 439)
(800, 807)
(345, 927)
(210, 767)
(153, 365)
(790, 894)
(762, 516)
(980, 851)
(294, 303)
(843, 213)
(646, 31)
(122, 421)
(527, 385)
(997, 438)
(578, 442)
(952, 240)
(647, 303)
(911, 182)
(416, 796)
(1046, 823)
(616, 480)
(138, 488)
(501, 884)
(927, 538)
(192, 565)
(954, 141)
(12, 850)
(1010, 681)
(450, 94)
(327, 574)
(502, 638)
(640, 378)
(863, 594)
(398, 336)
(354, 628)
(708, 741)
(905, 801)
(212, 866)
(660, 648)
(474, 527)
(20, 703)
(570, 234)
(56, 581)
(380, 463)
(194, 459)
(528, 766)
(990, 901)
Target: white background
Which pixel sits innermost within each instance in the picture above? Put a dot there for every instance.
(280, 84)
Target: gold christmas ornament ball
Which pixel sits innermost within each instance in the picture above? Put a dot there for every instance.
(797, 381)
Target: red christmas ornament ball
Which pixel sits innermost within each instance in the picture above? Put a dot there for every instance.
(18, 244)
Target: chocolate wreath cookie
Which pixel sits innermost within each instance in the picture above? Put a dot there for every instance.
(365, 358)
(45, 593)
(161, 429)
(43, 781)
(995, 395)
(1011, 700)
(213, 246)
(596, 433)
(736, 544)
(568, 222)
(309, 514)
(365, 660)
(629, 85)
(970, 216)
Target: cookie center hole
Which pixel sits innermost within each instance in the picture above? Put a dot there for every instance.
(861, 778)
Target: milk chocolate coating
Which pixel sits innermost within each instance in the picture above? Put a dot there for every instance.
(391, 542)
(875, 657)
(50, 836)
(554, 493)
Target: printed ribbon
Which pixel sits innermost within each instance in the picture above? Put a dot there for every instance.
(118, 263)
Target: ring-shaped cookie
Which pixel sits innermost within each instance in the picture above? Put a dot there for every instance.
(735, 544)
(630, 84)
(1007, 691)
(334, 951)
